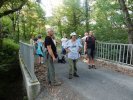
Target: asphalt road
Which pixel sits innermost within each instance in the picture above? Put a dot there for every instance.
(94, 84)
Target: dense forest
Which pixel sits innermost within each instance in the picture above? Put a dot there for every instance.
(110, 20)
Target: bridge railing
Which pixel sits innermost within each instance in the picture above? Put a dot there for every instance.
(116, 52)
(27, 55)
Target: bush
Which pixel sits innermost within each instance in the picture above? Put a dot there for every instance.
(8, 53)
(10, 73)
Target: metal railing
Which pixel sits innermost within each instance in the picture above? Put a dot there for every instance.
(116, 52)
(27, 55)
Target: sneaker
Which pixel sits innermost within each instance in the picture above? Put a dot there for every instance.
(76, 75)
(56, 84)
(49, 83)
(42, 62)
(93, 66)
(89, 66)
(70, 77)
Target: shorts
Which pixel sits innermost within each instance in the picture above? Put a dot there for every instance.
(90, 53)
(63, 51)
(40, 55)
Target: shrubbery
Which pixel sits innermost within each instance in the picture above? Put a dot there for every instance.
(8, 54)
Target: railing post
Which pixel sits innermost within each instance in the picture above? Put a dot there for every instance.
(127, 54)
(120, 54)
(131, 57)
(111, 52)
(123, 54)
(103, 50)
(100, 50)
(108, 50)
(97, 49)
(117, 53)
(114, 53)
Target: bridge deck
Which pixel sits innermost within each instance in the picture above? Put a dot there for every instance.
(99, 84)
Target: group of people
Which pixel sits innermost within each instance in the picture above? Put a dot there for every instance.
(71, 48)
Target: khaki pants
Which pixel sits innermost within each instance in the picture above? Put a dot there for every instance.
(72, 66)
(50, 70)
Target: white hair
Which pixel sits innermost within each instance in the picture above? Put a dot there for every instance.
(49, 29)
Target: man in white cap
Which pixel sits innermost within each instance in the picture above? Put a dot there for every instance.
(73, 48)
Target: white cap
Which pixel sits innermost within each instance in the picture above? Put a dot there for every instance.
(73, 33)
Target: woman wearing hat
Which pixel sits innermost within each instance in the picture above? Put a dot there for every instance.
(73, 48)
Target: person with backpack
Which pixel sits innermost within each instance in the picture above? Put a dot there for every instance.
(39, 49)
(73, 47)
(90, 50)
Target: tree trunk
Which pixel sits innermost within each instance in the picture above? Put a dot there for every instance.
(1, 38)
(18, 30)
(86, 15)
(18, 22)
(13, 23)
(24, 32)
(60, 28)
(128, 21)
(74, 20)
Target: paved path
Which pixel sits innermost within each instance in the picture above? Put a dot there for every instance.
(94, 84)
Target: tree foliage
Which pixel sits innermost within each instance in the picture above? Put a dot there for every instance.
(10, 6)
(128, 20)
(104, 17)
(22, 23)
(69, 17)
(109, 22)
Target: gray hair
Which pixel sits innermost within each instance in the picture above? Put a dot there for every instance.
(49, 29)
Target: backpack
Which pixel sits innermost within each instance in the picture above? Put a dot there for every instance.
(39, 47)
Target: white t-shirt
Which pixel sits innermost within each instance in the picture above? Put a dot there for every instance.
(64, 40)
(54, 41)
(84, 38)
(73, 47)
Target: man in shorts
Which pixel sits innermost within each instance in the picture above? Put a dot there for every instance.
(90, 50)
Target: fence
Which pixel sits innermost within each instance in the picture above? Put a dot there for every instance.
(116, 52)
(26, 53)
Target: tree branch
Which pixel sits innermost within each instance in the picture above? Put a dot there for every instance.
(2, 2)
(12, 11)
